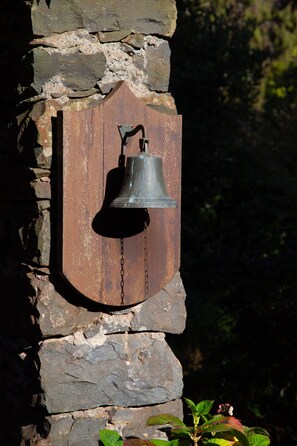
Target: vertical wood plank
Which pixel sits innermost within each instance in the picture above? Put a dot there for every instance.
(82, 197)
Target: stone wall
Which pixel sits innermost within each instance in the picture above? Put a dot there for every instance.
(70, 367)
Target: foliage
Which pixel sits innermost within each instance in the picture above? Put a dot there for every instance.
(234, 79)
(113, 438)
(221, 429)
(110, 438)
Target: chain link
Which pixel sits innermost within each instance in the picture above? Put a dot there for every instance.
(145, 261)
(122, 283)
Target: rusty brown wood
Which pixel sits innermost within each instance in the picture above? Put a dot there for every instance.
(91, 231)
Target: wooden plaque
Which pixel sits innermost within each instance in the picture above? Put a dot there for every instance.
(116, 256)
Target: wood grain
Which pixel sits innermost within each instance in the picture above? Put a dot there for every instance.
(91, 231)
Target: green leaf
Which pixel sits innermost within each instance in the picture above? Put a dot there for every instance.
(220, 442)
(259, 440)
(216, 428)
(224, 428)
(181, 433)
(204, 407)
(165, 419)
(157, 442)
(256, 430)
(243, 439)
(217, 419)
(223, 424)
(110, 438)
(137, 442)
(190, 404)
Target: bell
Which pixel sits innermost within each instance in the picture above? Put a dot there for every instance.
(143, 185)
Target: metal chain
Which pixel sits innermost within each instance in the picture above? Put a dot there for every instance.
(122, 263)
(145, 258)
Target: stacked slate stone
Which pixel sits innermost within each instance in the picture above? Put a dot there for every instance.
(70, 367)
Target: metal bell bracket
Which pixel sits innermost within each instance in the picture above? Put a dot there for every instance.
(126, 131)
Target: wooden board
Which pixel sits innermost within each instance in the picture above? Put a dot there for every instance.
(106, 254)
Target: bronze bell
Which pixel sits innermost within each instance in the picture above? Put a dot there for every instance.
(143, 185)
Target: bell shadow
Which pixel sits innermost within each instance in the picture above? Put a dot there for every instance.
(118, 222)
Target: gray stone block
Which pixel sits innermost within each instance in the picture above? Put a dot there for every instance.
(25, 183)
(34, 142)
(158, 66)
(146, 17)
(134, 40)
(108, 370)
(84, 432)
(74, 70)
(30, 235)
(31, 305)
(164, 312)
(81, 427)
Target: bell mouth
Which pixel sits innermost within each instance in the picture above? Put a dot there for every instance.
(165, 202)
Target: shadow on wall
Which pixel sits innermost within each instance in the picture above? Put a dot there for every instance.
(19, 381)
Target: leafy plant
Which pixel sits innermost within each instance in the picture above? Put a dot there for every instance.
(113, 438)
(110, 438)
(221, 429)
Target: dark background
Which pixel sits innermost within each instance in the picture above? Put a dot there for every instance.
(234, 79)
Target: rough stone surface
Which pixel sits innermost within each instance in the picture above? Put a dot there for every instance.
(74, 70)
(81, 428)
(112, 36)
(82, 431)
(41, 187)
(108, 370)
(144, 69)
(122, 63)
(164, 312)
(131, 422)
(34, 142)
(30, 235)
(142, 61)
(146, 17)
(26, 183)
(17, 312)
(31, 306)
(36, 137)
(68, 41)
(135, 40)
(158, 66)
(19, 387)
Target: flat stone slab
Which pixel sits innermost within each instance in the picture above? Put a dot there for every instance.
(72, 70)
(31, 306)
(142, 16)
(108, 370)
(81, 428)
(165, 312)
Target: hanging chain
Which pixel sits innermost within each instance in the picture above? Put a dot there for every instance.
(145, 258)
(145, 261)
(122, 263)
